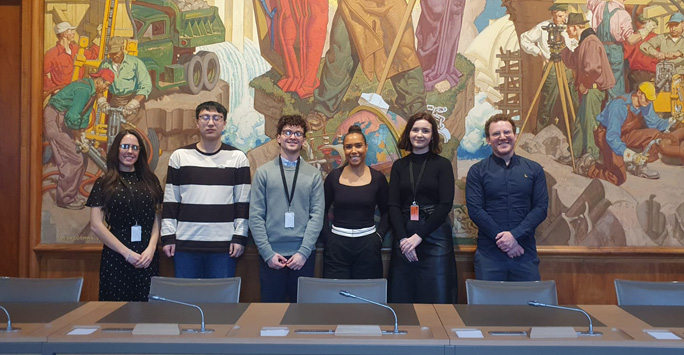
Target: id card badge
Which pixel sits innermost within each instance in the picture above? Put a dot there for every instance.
(414, 212)
(136, 233)
(289, 219)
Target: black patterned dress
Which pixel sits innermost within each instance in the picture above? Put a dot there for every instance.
(130, 204)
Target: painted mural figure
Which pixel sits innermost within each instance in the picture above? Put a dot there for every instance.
(438, 34)
(362, 33)
(301, 22)
(131, 86)
(507, 199)
(627, 125)
(535, 42)
(65, 118)
(668, 47)
(58, 63)
(642, 67)
(593, 78)
(613, 26)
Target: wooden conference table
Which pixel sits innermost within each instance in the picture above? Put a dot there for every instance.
(430, 329)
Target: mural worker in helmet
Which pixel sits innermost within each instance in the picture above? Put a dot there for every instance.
(130, 88)
(630, 135)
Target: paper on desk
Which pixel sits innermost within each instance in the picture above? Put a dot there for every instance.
(83, 331)
(468, 333)
(662, 334)
(274, 331)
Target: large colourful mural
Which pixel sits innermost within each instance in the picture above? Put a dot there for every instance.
(373, 64)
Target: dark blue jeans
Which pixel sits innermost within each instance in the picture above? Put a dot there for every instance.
(281, 285)
(522, 268)
(193, 265)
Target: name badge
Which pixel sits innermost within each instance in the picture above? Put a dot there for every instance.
(289, 219)
(136, 233)
(415, 212)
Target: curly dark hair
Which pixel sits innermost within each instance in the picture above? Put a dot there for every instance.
(496, 118)
(291, 120)
(405, 141)
(112, 177)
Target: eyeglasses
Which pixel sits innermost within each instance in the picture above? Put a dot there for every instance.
(498, 134)
(288, 133)
(214, 118)
(126, 146)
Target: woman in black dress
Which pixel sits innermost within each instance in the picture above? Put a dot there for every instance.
(422, 268)
(128, 199)
(353, 242)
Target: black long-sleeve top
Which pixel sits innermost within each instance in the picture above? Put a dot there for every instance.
(354, 206)
(436, 188)
(502, 197)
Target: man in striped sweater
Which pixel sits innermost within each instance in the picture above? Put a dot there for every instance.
(206, 202)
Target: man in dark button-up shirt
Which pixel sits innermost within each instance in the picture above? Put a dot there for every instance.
(507, 199)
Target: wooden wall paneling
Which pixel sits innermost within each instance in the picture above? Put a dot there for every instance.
(10, 105)
(32, 147)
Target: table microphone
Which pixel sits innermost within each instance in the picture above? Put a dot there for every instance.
(396, 322)
(591, 325)
(9, 328)
(202, 329)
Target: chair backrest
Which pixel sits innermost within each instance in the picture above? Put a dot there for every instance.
(197, 290)
(511, 292)
(646, 293)
(17, 289)
(317, 290)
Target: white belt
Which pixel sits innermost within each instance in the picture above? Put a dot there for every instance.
(353, 233)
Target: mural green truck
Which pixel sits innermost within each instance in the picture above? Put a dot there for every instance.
(167, 37)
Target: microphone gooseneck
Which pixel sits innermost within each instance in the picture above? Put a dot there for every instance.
(9, 328)
(202, 329)
(396, 321)
(591, 324)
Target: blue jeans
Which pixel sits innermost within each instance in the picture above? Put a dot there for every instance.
(281, 285)
(193, 265)
(522, 268)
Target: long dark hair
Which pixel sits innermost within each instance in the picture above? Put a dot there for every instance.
(405, 140)
(142, 170)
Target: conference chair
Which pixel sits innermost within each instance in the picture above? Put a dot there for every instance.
(225, 290)
(317, 290)
(646, 293)
(18, 289)
(511, 292)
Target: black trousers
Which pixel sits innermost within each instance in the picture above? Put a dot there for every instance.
(352, 258)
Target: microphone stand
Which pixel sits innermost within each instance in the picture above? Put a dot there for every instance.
(396, 322)
(9, 328)
(591, 325)
(191, 330)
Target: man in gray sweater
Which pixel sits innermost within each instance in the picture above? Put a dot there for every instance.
(286, 214)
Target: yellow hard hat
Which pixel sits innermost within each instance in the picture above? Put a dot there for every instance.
(648, 89)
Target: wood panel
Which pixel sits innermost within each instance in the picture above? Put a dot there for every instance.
(10, 104)
(583, 276)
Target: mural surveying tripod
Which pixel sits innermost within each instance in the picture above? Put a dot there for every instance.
(556, 44)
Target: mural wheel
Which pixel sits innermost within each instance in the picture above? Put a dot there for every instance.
(211, 69)
(153, 149)
(193, 75)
